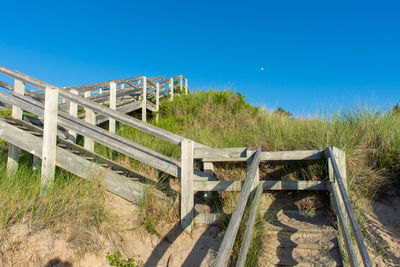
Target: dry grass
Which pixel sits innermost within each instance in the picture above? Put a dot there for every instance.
(73, 208)
(158, 211)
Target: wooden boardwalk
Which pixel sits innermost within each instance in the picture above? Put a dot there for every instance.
(62, 113)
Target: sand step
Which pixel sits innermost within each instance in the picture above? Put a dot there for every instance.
(301, 242)
(303, 228)
(304, 257)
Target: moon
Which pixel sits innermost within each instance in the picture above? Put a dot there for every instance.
(262, 68)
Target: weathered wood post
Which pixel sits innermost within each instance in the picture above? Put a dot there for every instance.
(344, 225)
(249, 161)
(186, 86)
(17, 113)
(187, 191)
(157, 100)
(73, 111)
(49, 137)
(113, 105)
(340, 157)
(171, 89)
(90, 117)
(144, 100)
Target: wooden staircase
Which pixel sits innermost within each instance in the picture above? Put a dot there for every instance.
(298, 237)
(50, 134)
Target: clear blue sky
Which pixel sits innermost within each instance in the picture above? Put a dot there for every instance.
(315, 55)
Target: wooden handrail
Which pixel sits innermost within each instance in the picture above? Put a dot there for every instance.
(148, 128)
(350, 212)
(87, 87)
(233, 227)
(239, 154)
(244, 247)
(342, 218)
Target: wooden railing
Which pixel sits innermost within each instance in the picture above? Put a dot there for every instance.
(344, 209)
(336, 186)
(47, 105)
(233, 227)
(21, 99)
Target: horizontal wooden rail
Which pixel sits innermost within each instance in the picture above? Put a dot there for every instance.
(93, 86)
(267, 185)
(233, 227)
(148, 128)
(239, 154)
(349, 210)
(31, 93)
(113, 141)
(117, 184)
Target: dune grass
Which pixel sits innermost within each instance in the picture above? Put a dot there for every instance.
(224, 119)
(217, 119)
(73, 205)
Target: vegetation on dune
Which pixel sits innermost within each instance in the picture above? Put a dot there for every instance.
(73, 205)
(224, 119)
(217, 119)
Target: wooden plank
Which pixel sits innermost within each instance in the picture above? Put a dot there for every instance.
(350, 213)
(116, 184)
(90, 118)
(344, 226)
(249, 165)
(73, 111)
(340, 239)
(144, 100)
(93, 86)
(239, 154)
(295, 185)
(151, 106)
(171, 89)
(233, 227)
(244, 247)
(293, 155)
(6, 85)
(13, 151)
(187, 193)
(157, 101)
(216, 159)
(49, 138)
(340, 157)
(206, 152)
(267, 185)
(113, 105)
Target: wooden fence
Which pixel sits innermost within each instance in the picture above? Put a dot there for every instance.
(336, 186)
(58, 109)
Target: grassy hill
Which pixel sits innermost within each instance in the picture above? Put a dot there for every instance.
(217, 119)
(224, 119)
